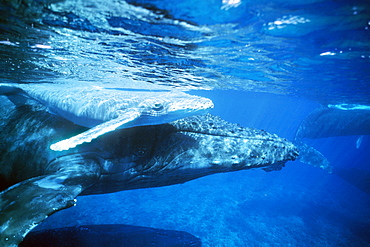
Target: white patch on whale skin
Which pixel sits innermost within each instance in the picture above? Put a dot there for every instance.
(359, 141)
(51, 183)
(5, 226)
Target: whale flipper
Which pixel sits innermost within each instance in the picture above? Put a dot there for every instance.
(311, 156)
(89, 135)
(29, 202)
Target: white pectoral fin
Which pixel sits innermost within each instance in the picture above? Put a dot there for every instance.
(95, 132)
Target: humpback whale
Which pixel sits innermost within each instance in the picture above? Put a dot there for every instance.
(331, 121)
(37, 181)
(104, 109)
(335, 121)
(109, 235)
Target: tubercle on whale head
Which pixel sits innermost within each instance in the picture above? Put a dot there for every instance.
(224, 153)
(227, 143)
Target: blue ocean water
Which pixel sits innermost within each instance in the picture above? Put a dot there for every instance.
(265, 64)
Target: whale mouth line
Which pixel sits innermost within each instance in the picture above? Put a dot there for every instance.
(233, 136)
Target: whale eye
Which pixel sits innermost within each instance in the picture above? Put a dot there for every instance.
(140, 152)
(157, 107)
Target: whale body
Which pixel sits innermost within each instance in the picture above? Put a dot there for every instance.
(37, 181)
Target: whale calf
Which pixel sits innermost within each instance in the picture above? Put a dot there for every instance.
(37, 181)
(106, 108)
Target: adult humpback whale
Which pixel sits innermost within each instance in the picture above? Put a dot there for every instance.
(331, 121)
(335, 120)
(104, 109)
(38, 181)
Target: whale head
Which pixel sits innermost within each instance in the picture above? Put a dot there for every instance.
(170, 107)
(186, 149)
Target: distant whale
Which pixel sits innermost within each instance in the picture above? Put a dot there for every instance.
(335, 120)
(37, 181)
(331, 121)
